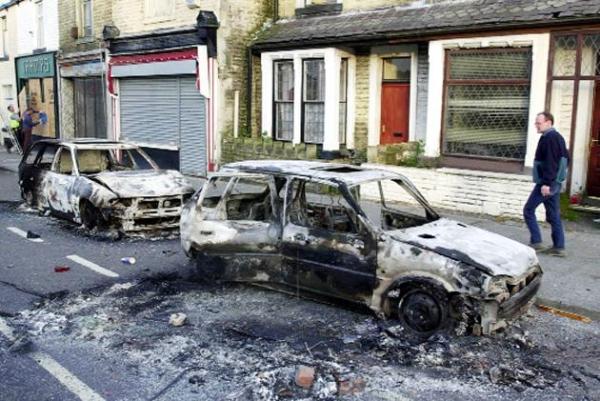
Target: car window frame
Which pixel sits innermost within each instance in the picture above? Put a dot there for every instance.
(219, 209)
(56, 167)
(361, 229)
(40, 146)
(41, 155)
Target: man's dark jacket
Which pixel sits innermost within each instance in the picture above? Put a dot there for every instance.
(551, 159)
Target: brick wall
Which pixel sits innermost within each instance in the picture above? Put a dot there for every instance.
(67, 12)
(480, 192)
(362, 103)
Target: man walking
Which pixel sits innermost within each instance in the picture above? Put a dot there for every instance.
(549, 172)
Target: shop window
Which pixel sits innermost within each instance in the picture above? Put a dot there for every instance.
(343, 99)
(487, 103)
(90, 110)
(284, 100)
(313, 100)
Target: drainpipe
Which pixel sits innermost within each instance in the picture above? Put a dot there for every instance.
(249, 91)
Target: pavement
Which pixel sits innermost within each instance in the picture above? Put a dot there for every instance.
(571, 283)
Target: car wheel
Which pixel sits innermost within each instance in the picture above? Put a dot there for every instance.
(27, 196)
(423, 310)
(90, 216)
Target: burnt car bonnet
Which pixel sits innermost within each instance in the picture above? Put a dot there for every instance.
(486, 251)
(145, 183)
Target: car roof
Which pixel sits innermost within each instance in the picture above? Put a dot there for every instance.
(333, 172)
(89, 143)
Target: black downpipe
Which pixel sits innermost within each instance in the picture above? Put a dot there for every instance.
(249, 91)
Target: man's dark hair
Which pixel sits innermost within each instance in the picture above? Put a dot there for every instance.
(547, 115)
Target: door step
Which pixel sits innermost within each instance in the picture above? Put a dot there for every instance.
(591, 201)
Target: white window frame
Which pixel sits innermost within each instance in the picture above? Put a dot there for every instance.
(332, 57)
(375, 81)
(151, 18)
(39, 10)
(540, 44)
(4, 36)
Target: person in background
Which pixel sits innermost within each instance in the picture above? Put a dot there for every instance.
(549, 172)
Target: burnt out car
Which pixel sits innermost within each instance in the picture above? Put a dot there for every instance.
(102, 184)
(359, 234)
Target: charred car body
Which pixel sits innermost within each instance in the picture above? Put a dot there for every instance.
(363, 235)
(102, 184)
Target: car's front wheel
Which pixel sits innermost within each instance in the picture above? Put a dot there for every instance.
(91, 217)
(421, 309)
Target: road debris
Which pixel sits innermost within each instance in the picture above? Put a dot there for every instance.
(177, 319)
(129, 260)
(563, 313)
(305, 376)
(32, 235)
(61, 269)
(255, 347)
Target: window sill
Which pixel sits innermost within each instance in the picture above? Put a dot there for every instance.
(157, 20)
(483, 163)
(85, 40)
(4, 58)
(39, 50)
(319, 10)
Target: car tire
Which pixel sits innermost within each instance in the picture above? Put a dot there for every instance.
(90, 216)
(423, 310)
(27, 196)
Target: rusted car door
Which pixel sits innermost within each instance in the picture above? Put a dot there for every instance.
(240, 228)
(60, 184)
(326, 246)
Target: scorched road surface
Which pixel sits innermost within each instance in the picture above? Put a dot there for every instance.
(100, 331)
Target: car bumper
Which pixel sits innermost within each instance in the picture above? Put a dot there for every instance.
(496, 315)
(147, 214)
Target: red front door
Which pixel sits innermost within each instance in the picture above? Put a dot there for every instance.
(395, 104)
(593, 180)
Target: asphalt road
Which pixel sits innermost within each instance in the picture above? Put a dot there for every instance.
(100, 331)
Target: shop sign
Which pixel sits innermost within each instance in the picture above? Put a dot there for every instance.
(37, 66)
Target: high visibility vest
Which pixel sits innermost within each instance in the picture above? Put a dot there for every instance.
(14, 124)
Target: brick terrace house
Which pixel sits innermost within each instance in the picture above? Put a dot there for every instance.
(83, 98)
(452, 87)
(175, 71)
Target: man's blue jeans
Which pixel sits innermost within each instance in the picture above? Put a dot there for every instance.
(552, 205)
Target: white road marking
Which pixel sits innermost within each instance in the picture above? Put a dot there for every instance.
(92, 266)
(66, 378)
(23, 234)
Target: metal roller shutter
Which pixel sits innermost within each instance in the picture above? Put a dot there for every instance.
(192, 120)
(166, 111)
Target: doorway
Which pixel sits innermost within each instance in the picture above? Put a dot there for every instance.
(395, 100)
(593, 175)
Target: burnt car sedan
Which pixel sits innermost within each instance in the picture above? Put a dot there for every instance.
(359, 234)
(102, 185)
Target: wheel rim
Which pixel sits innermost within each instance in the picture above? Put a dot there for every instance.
(421, 312)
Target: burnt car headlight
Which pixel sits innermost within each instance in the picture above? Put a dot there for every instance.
(124, 203)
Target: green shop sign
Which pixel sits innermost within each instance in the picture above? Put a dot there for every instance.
(37, 66)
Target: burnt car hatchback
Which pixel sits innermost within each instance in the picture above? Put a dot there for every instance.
(102, 185)
(359, 234)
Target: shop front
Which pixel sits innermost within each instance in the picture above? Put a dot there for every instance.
(36, 87)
